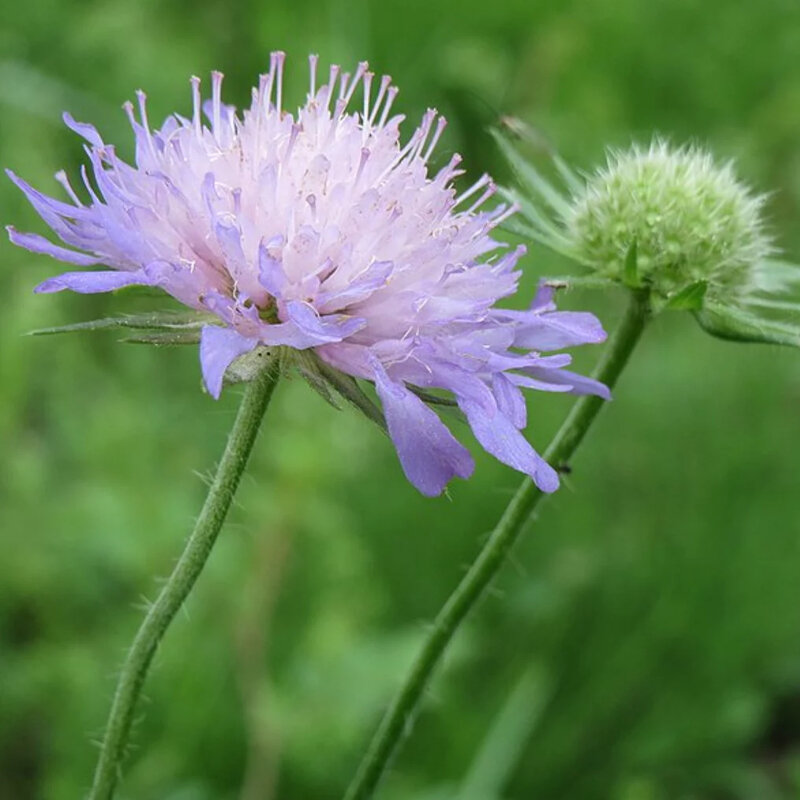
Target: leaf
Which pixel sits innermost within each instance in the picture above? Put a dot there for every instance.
(151, 320)
(736, 324)
(690, 298)
(631, 268)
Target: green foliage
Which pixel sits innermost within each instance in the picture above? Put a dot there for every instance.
(654, 602)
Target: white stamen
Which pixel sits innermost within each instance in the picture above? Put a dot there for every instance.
(216, 105)
(313, 60)
(332, 77)
(62, 178)
(390, 96)
(280, 57)
(490, 190)
(479, 184)
(440, 126)
(141, 98)
(197, 104)
(385, 82)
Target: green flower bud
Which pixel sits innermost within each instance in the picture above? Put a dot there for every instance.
(671, 221)
(690, 220)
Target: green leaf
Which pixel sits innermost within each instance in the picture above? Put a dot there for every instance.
(631, 268)
(690, 298)
(739, 325)
(151, 320)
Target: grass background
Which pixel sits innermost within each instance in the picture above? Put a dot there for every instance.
(644, 643)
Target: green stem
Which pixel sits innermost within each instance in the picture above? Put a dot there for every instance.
(234, 460)
(398, 718)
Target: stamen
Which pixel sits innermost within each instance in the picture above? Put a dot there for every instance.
(312, 202)
(504, 215)
(422, 132)
(141, 98)
(343, 84)
(479, 184)
(62, 178)
(313, 60)
(359, 74)
(197, 104)
(368, 77)
(490, 190)
(365, 154)
(440, 126)
(332, 77)
(390, 96)
(216, 106)
(280, 57)
(385, 82)
(267, 84)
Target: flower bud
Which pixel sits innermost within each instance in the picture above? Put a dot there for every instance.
(689, 219)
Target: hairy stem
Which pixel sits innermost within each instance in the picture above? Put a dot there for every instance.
(397, 721)
(169, 601)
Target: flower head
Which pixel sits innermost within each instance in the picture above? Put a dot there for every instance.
(323, 231)
(691, 220)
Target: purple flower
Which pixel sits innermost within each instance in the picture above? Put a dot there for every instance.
(324, 230)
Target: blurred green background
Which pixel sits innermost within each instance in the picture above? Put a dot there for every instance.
(644, 642)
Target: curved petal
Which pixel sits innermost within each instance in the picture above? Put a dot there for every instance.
(498, 436)
(38, 244)
(429, 454)
(93, 282)
(219, 348)
(573, 383)
(558, 329)
(509, 399)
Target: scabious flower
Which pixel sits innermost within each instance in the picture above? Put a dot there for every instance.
(323, 231)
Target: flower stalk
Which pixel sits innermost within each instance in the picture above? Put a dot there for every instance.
(175, 591)
(397, 721)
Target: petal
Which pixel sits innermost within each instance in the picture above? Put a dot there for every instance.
(543, 384)
(38, 244)
(93, 282)
(509, 399)
(429, 454)
(498, 436)
(219, 348)
(360, 288)
(557, 329)
(332, 328)
(543, 299)
(578, 384)
(84, 130)
(270, 272)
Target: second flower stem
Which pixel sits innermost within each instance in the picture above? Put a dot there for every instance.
(398, 718)
(175, 591)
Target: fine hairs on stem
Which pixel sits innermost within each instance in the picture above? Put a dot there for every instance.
(254, 403)
(396, 722)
